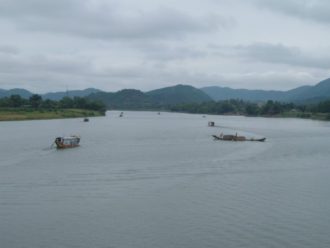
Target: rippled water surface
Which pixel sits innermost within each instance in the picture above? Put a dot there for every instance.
(149, 180)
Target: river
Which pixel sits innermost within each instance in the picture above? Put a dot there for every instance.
(148, 180)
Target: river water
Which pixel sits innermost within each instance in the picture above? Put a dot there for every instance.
(148, 180)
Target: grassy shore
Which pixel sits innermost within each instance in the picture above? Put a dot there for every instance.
(8, 114)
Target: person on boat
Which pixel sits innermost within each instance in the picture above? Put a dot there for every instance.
(221, 135)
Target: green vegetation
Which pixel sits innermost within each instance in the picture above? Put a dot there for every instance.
(179, 98)
(320, 111)
(188, 99)
(17, 108)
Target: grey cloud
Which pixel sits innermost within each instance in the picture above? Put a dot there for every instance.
(30, 8)
(42, 64)
(270, 80)
(111, 44)
(106, 21)
(7, 49)
(165, 52)
(316, 10)
(281, 54)
(40, 73)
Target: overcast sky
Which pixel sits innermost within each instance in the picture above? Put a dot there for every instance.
(51, 45)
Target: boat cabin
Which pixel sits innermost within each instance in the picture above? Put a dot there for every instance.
(67, 142)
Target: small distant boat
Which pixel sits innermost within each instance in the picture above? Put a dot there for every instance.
(211, 124)
(67, 141)
(230, 137)
(121, 114)
(86, 120)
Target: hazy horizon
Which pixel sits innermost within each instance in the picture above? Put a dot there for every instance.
(78, 89)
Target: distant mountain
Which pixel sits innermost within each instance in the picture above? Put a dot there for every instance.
(295, 94)
(135, 99)
(22, 92)
(124, 99)
(303, 94)
(71, 93)
(224, 93)
(178, 94)
(52, 95)
(319, 92)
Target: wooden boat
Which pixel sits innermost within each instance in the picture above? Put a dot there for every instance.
(67, 141)
(236, 138)
(86, 119)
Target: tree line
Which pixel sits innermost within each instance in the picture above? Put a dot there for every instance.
(236, 107)
(240, 107)
(36, 102)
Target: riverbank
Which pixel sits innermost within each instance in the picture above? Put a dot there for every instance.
(288, 114)
(8, 114)
(305, 115)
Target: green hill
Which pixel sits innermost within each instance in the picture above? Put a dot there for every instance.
(225, 93)
(303, 94)
(164, 97)
(22, 92)
(51, 95)
(178, 94)
(124, 99)
(71, 93)
(317, 93)
(135, 99)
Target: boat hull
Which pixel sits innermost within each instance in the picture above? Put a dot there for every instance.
(236, 138)
(67, 142)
